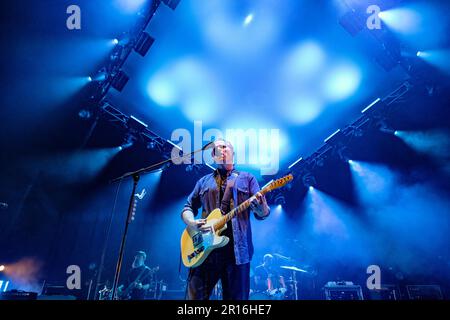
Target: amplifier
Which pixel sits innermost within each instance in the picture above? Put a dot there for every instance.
(18, 295)
(386, 292)
(56, 297)
(173, 295)
(424, 292)
(342, 290)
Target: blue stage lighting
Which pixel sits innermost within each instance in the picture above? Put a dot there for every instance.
(342, 82)
(437, 58)
(131, 6)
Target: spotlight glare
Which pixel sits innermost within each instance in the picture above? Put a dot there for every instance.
(3, 288)
(126, 145)
(89, 79)
(115, 41)
(2, 267)
(419, 53)
(84, 114)
(311, 188)
(248, 19)
(101, 75)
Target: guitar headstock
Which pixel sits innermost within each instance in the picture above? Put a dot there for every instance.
(155, 269)
(279, 183)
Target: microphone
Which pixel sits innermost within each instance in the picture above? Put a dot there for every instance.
(209, 145)
(3, 205)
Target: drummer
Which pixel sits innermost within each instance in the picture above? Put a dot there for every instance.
(267, 278)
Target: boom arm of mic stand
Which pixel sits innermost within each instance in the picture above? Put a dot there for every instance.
(155, 165)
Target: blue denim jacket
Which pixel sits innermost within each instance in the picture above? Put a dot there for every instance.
(206, 195)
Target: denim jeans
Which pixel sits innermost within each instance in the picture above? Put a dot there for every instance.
(220, 265)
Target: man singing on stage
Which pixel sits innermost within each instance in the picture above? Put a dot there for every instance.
(225, 188)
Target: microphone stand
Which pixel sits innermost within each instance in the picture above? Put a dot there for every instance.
(136, 175)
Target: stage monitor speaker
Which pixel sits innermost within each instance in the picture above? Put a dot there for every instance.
(387, 292)
(343, 290)
(56, 297)
(173, 295)
(424, 292)
(18, 295)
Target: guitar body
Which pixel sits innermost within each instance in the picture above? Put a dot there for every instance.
(197, 245)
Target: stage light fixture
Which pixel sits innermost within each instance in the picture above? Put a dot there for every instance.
(384, 127)
(143, 43)
(120, 80)
(280, 200)
(151, 145)
(101, 75)
(320, 161)
(172, 4)
(165, 166)
(127, 142)
(85, 114)
(343, 154)
(309, 180)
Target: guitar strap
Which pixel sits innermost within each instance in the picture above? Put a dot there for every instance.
(225, 204)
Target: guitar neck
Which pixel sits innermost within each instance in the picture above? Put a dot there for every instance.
(242, 207)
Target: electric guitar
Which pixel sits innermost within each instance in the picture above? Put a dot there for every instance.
(125, 294)
(197, 245)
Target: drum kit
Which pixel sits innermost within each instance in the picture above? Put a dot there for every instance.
(289, 292)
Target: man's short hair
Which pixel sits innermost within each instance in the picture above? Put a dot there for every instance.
(268, 256)
(141, 254)
(228, 143)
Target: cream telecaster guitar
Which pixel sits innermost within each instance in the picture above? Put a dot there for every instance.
(197, 245)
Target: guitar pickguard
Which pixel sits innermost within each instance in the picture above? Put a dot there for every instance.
(203, 242)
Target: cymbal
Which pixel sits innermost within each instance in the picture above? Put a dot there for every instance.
(292, 268)
(279, 256)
